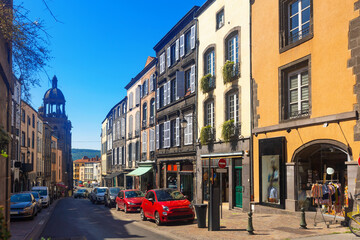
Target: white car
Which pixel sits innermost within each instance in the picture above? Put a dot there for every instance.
(97, 195)
(44, 194)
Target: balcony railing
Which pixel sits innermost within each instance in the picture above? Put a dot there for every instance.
(207, 135)
(207, 83)
(144, 124)
(231, 130)
(137, 133)
(231, 71)
(152, 120)
(297, 35)
(130, 135)
(299, 113)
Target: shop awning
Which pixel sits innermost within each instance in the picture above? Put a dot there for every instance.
(112, 175)
(139, 171)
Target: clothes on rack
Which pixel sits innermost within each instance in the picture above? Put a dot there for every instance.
(327, 194)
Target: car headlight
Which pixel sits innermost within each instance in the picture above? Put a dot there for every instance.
(165, 208)
(131, 203)
(27, 209)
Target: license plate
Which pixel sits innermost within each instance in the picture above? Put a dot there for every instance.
(13, 212)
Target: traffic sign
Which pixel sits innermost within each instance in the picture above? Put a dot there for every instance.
(359, 161)
(222, 163)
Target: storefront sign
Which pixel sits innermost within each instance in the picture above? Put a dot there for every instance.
(222, 163)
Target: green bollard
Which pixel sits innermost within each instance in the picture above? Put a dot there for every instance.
(250, 228)
(303, 220)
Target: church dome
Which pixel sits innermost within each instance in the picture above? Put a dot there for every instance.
(54, 95)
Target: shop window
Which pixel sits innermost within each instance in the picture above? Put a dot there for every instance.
(272, 171)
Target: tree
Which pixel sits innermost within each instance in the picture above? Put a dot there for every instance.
(29, 41)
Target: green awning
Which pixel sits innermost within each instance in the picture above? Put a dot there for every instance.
(139, 171)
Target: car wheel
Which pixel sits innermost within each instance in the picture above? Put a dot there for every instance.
(125, 208)
(117, 207)
(36, 211)
(157, 219)
(142, 215)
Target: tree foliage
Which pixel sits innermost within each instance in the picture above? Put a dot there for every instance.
(29, 41)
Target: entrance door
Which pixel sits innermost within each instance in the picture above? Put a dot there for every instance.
(238, 187)
(186, 185)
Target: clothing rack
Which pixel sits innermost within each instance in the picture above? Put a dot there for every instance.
(318, 198)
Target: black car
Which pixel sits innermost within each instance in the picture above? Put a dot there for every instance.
(81, 193)
(110, 196)
(23, 205)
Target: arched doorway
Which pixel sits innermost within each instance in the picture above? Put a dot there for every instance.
(312, 161)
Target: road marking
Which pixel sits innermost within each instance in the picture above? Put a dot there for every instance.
(41, 222)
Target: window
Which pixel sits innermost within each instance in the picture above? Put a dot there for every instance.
(152, 111)
(131, 101)
(187, 42)
(295, 85)
(173, 133)
(118, 110)
(29, 121)
(32, 140)
(144, 120)
(161, 97)
(295, 22)
(220, 19)
(23, 116)
(209, 110)
(232, 103)
(210, 63)
(130, 153)
(188, 80)
(161, 135)
(299, 20)
(173, 54)
(130, 126)
(33, 121)
(162, 63)
(233, 49)
(23, 139)
(298, 93)
(188, 136)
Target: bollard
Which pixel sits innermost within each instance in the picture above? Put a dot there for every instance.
(250, 228)
(303, 220)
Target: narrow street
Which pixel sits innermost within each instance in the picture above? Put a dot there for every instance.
(80, 219)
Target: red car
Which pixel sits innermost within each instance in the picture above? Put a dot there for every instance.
(129, 200)
(166, 205)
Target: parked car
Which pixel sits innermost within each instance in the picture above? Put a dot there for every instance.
(38, 201)
(81, 193)
(110, 196)
(23, 205)
(129, 200)
(97, 194)
(44, 194)
(166, 205)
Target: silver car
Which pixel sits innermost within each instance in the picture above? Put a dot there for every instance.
(97, 195)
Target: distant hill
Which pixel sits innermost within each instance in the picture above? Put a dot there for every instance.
(80, 153)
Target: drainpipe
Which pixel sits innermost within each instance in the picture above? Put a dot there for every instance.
(196, 108)
(251, 107)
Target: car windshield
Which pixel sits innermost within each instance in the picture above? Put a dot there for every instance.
(114, 190)
(131, 194)
(21, 198)
(101, 190)
(41, 192)
(169, 195)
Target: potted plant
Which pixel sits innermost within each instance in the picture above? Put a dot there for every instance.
(206, 135)
(4, 141)
(229, 73)
(228, 130)
(205, 83)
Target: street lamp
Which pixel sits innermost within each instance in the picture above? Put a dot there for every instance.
(183, 123)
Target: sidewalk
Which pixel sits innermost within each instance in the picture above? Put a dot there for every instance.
(21, 229)
(234, 223)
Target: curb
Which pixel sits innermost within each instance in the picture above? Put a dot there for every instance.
(38, 228)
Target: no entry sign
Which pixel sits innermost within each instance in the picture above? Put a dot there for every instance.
(222, 163)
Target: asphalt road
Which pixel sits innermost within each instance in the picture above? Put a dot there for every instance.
(80, 219)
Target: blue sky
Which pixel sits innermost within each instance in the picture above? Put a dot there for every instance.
(96, 51)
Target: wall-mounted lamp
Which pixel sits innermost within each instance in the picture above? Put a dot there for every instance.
(288, 130)
(325, 125)
(256, 134)
(183, 123)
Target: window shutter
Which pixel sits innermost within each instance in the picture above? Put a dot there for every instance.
(165, 94)
(177, 45)
(162, 62)
(152, 138)
(133, 151)
(192, 79)
(177, 131)
(151, 83)
(146, 86)
(168, 57)
(157, 99)
(141, 91)
(120, 156)
(123, 127)
(137, 95)
(130, 101)
(167, 134)
(168, 92)
(192, 37)
(157, 137)
(190, 128)
(146, 141)
(143, 142)
(182, 47)
(180, 84)
(137, 121)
